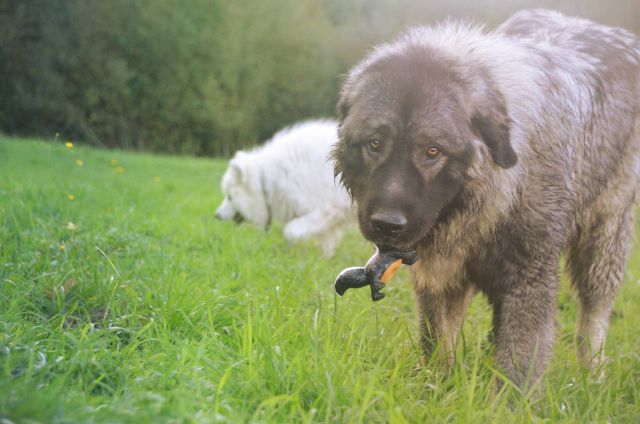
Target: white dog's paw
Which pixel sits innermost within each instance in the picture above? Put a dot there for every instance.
(314, 226)
(328, 245)
(296, 230)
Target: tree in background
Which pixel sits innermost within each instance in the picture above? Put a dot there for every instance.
(204, 77)
(194, 77)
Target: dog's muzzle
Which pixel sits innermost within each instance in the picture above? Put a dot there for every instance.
(238, 218)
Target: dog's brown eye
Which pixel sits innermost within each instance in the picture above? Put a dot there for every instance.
(374, 145)
(433, 152)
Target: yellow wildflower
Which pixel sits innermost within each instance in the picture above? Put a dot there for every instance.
(156, 179)
(62, 247)
(80, 162)
(69, 145)
(119, 169)
(71, 197)
(114, 162)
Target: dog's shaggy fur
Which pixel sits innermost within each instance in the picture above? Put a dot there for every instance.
(493, 153)
(290, 180)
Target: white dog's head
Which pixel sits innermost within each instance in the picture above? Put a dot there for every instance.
(244, 195)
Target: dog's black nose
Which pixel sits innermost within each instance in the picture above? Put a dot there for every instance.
(388, 221)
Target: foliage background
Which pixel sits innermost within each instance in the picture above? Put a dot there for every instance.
(205, 77)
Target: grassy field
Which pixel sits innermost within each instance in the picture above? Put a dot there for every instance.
(122, 299)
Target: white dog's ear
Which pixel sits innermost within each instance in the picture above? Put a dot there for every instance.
(235, 169)
(236, 165)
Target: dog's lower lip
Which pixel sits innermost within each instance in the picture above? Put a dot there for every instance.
(385, 245)
(389, 247)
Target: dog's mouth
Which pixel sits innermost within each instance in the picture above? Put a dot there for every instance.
(389, 241)
(406, 252)
(238, 218)
(405, 241)
(387, 245)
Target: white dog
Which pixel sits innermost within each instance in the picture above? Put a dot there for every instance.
(290, 180)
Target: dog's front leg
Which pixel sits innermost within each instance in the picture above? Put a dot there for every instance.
(440, 316)
(524, 323)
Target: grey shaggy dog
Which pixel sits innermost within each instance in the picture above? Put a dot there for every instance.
(492, 154)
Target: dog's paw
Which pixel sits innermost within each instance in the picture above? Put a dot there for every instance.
(296, 230)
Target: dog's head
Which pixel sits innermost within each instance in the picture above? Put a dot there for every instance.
(412, 121)
(244, 197)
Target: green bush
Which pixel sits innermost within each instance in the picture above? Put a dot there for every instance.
(195, 77)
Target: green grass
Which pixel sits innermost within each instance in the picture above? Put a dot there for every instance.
(176, 317)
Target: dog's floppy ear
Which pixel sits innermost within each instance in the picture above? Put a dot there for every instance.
(493, 126)
(347, 93)
(343, 107)
(339, 149)
(235, 165)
